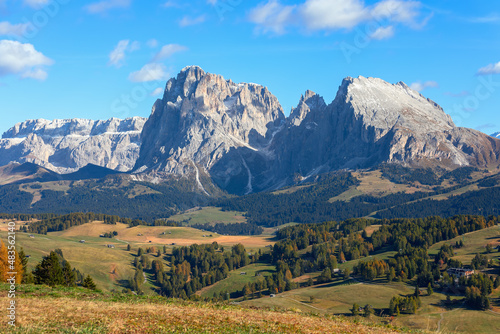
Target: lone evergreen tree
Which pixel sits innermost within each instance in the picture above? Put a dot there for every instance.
(355, 309)
(88, 283)
(429, 289)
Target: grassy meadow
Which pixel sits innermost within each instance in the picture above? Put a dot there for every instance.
(44, 310)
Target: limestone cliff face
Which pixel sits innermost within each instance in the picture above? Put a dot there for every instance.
(209, 129)
(65, 146)
(370, 122)
(206, 124)
(237, 134)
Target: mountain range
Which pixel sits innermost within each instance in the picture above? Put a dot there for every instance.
(210, 129)
(65, 146)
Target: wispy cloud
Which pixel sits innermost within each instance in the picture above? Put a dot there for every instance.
(150, 72)
(171, 4)
(492, 18)
(8, 29)
(152, 43)
(490, 69)
(158, 91)
(486, 126)
(191, 21)
(272, 17)
(383, 33)
(106, 5)
(117, 56)
(328, 15)
(36, 3)
(420, 86)
(461, 94)
(22, 59)
(168, 51)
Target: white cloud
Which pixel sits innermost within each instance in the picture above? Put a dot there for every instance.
(492, 18)
(37, 74)
(36, 3)
(117, 56)
(383, 33)
(333, 14)
(397, 11)
(105, 5)
(490, 69)
(150, 72)
(23, 60)
(168, 51)
(170, 4)
(271, 17)
(316, 15)
(420, 86)
(188, 21)
(8, 29)
(157, 91)
(152, 43)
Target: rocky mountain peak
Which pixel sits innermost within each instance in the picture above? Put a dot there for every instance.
(65, 145)
(384, 105)
(203, 117)
(209, 129)
(309, 101)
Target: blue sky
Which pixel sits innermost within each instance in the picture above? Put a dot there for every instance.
(111, 58)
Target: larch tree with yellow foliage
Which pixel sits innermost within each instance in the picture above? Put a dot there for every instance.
(10, 262)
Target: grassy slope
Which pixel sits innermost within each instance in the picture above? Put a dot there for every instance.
(48, 311)
(210, 215)
(338, 298)
(111, 266)
(236, 281)
(474, 243)
(108, 266)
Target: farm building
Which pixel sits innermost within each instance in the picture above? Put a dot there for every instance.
(459, 272)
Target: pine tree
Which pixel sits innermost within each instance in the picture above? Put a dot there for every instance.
(368, 310)
(128, 247)
(49, 271)
(417, 291)
(429, 289)
(392, 306)
(355, 309)
(27, 277)
(391, 275)
(68, 274)
(88, 283)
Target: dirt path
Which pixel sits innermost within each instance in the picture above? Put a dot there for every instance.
(442, 317)
(314, 307)
(439, 322)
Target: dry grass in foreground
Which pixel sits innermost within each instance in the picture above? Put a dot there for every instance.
(93, 314)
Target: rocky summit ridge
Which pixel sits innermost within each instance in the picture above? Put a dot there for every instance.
(211, 129)
(66, 145)
(238, 135)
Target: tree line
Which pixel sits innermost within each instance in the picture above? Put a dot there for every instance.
(64, 222)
